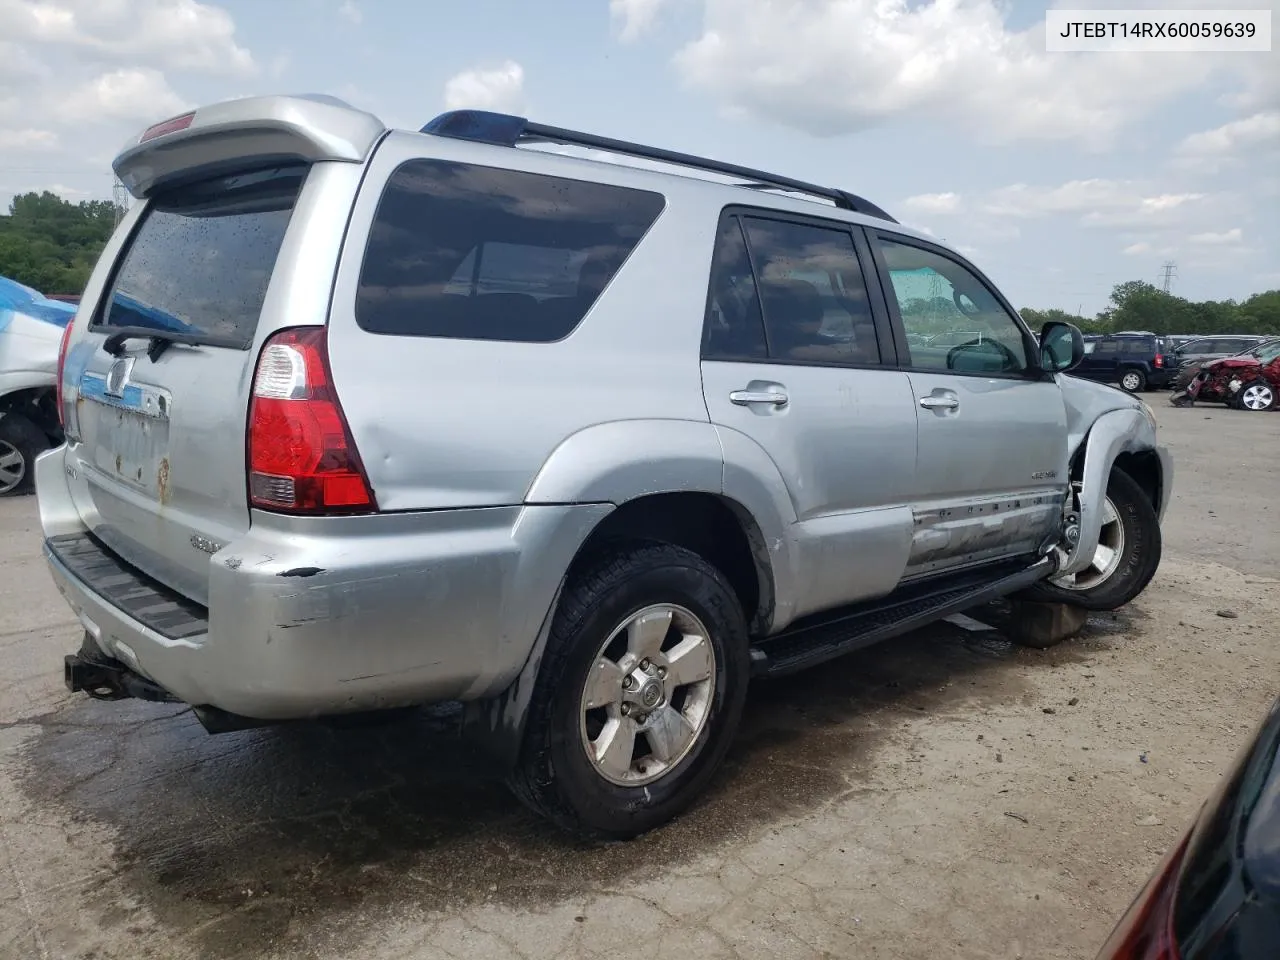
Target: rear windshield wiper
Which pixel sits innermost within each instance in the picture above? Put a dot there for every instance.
(161, 340)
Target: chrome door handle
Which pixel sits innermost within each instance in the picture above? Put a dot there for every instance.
(939, 403)
(744, 397)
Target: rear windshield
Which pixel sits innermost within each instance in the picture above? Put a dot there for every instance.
(482, 253)
(200, 260)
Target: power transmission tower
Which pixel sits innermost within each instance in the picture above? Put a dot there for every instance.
(119, 200)
(1168, 272)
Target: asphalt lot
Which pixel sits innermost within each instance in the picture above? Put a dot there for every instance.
(941, 795)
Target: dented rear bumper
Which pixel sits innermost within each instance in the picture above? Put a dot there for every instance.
(313, 617)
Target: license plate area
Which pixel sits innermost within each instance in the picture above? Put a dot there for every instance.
(127, 436)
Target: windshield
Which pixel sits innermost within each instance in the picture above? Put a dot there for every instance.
(1268, 351)
(200, 261)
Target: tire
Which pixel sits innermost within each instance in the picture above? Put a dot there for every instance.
(1133, 380)
(21, 441)
(1135, 534)
(1255, 397)
(556, 775)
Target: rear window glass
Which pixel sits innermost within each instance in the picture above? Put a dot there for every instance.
(201, 259)
(482, 253)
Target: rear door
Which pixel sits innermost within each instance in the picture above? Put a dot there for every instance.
(792, 359)
(156, 432)
(1101, 362)
(991, 466)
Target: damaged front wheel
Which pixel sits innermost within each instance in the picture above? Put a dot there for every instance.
(1125, 558)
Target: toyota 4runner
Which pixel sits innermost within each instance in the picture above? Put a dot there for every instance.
(359, 418)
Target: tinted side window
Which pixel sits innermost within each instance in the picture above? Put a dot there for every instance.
(1107, 348)
(734, 326)
(967, 329)
(814, 296)
(481, 253)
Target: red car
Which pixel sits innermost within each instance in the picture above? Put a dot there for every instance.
(1250, 381)
(1216, 894)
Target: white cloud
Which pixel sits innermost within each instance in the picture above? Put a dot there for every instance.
(1137, 249)
(1239, 140)
(350, 12)
(1211, 239)
(28, 139)
(80, 77)
(933, 203)
(137, 95)
(1095, 202)
(834, 66)
(68, 193)
(500, 88)
(182, 34)
(635, 16)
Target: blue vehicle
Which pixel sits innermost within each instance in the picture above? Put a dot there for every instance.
(31, 328)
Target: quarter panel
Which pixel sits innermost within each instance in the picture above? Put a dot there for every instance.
(444, 423)
(617, 462)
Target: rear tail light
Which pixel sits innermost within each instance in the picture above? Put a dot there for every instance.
(1146, 930)
(302, 458)
(62, 365)
(1159, 360)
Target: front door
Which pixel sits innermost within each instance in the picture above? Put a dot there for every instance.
(992, 467)
(792, 361)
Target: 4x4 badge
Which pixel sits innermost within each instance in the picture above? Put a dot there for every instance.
(118, 377)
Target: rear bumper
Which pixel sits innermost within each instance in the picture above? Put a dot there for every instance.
(333, 615)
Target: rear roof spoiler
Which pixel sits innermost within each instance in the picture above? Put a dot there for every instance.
(223, 137)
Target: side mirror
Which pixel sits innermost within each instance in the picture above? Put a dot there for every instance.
(1061, 347)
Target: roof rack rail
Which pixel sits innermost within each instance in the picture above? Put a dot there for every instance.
(506, 130)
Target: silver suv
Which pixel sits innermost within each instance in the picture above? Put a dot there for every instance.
(360, 418)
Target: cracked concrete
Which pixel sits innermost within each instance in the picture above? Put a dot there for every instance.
(908, 801)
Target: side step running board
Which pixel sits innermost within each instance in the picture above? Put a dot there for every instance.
(816, 640)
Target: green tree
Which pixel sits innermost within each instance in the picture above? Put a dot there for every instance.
(1137, 305)
(1038, 318)
(1261, 313)
(51, 244)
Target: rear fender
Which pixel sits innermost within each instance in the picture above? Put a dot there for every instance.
(619, 461)
(1112, 434)
(624, 460)
(615, 463)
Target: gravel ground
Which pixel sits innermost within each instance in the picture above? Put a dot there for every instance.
(946, 794)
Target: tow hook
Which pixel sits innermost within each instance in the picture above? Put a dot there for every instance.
(104, 678)
(98, 680)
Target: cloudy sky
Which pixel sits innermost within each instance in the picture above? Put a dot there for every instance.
(1061, 173)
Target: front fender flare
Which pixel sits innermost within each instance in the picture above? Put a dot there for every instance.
(1112, 434)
